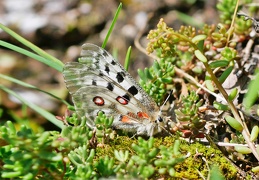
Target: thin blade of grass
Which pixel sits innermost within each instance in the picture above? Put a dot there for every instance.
(127, 59)
(54, 64)
(32, 87)
(50, 117)
(188, 19)
(112, 25)
(31, 46)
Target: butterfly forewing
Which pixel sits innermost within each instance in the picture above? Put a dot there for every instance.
(107, 65)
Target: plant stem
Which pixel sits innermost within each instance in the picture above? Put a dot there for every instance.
(232, 22)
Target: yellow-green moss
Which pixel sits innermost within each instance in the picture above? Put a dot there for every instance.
(189, 168)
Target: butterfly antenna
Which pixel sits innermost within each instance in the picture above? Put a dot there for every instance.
(167, 98)
(160, 113)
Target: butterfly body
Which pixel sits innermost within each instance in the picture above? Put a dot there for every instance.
(99, 83)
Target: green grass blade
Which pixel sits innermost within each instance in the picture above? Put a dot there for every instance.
(188, 19)
(112, 25)
(50, 117)
(32, 87)
(127, 59)
(30, 45)
(54, 64)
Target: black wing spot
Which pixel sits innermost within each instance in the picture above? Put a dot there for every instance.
(110, 86)
(126, 96)
(120, 77)
(107, 69)
(113, 62)
(94, 82)
(133, 90)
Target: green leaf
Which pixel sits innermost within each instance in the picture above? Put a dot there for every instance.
(252, 94)
(200, 45)
(200, 56)
(198, 38)
(121, 156)
(233, 94)
(171, 172)
(10, 174)
(255, 169)
(225, 74)
(177, 147)
(234, 123)
(148, 74)
(156, 67)
(220, 106)
(243, 149)
(147, 171)
(254, 133)
(51, 156)
(11, 127)
(215, 173)
(219, 63)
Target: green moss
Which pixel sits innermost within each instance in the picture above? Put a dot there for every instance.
(120, 143)
(196, 162)
(199, 153)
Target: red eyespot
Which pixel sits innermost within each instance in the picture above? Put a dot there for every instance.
(122, 100)
(99, 101)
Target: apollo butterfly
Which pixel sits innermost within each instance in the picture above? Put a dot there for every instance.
(99, 83)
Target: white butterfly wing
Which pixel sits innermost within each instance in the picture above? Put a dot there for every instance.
(97, 74)
(99, 59)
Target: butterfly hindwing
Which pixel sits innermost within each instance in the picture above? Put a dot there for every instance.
(92, 99)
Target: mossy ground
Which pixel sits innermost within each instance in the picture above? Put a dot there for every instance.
(200, 158)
